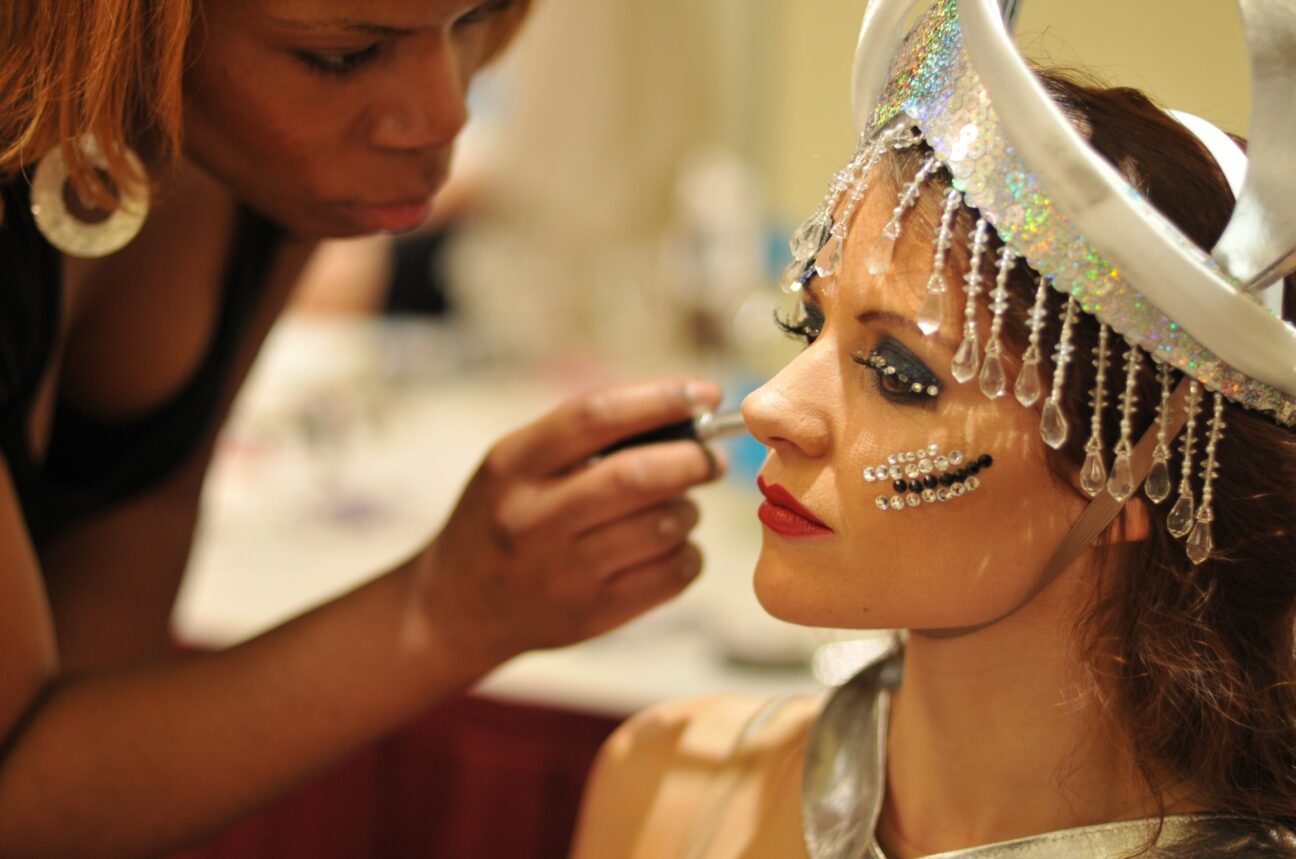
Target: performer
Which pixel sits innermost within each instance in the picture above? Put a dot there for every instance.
(165, 169)
(1037, 426)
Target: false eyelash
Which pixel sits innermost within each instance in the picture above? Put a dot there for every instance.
(807, 328)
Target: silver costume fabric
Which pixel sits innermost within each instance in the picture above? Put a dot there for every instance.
(845, 774)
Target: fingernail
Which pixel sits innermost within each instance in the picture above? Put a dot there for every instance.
(692, 569)
(719, 461)
(699, 397)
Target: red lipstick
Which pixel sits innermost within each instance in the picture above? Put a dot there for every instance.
(783, 514)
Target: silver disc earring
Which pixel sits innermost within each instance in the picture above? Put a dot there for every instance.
(75, 227)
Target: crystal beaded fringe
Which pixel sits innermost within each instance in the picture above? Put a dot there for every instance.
(1027, 388)
(883, 250)
(1093, 474)
(968, 357)
(993, 381)
(1053, 425)
(933, 304)
(811, 236)
(1157, 487)
(816, 245)
(1180, 520)
(1200, 542)
(1121, 484)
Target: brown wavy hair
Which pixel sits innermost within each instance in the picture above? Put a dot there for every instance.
(1194, 665)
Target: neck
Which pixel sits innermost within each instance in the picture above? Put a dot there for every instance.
(995, 735)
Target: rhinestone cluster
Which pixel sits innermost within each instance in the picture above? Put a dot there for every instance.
(926, 476)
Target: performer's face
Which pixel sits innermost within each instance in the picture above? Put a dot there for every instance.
(827, 416)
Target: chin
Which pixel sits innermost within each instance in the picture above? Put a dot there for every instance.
(789, 594)
(820, 595)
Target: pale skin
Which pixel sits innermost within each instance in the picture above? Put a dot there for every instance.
(115, 746)
(994, 734)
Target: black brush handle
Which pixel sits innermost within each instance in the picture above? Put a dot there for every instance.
(680, 431)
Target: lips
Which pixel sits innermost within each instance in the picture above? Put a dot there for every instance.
(393, 217)
(783, 514)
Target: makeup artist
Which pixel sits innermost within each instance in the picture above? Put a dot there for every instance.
(166, 169)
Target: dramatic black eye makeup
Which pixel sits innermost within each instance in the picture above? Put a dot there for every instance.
(901, 375)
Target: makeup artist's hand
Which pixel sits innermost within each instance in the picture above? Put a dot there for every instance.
(546, 547)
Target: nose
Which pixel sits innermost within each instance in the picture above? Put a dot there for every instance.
(427, 108)
(787, 412)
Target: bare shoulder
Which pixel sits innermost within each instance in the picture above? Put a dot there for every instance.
(662, 766)
(709, 729)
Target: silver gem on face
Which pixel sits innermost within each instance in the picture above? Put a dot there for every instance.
(927, 476)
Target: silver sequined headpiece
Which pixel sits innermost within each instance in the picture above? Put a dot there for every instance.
(956, 83)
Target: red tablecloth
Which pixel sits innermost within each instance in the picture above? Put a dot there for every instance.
(474, 779)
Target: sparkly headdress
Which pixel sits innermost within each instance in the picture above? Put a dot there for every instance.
(957, 83)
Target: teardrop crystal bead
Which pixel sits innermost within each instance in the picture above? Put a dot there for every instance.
(1027, 388)
(829, 257)
(966, 359)
(929, 314)
(1053, 425)
(790, 280)
(1180, 520)
(1200, 542)
(1121, 484)
(880, 255)
(809, 238)
(993, 379)
(1157, 487)
(1093, 474)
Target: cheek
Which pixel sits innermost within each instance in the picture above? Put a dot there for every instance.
(936, 565)
(255, 118)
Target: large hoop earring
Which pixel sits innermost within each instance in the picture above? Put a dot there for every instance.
(78, 228)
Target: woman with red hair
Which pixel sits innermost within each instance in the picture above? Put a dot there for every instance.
(166, 169)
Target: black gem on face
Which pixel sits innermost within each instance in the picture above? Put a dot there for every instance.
(930, 481)
(900, 486)
(973, 467)
(915, 486)
(985, 460)
(960, 476)
(947, 479)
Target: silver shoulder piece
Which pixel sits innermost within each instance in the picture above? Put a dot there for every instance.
(843, 773)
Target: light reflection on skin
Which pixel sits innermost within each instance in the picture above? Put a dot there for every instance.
(824, 419)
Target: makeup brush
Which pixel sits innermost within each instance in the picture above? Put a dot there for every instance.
(705, 427)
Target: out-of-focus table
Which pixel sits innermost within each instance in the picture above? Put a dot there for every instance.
(346, 450)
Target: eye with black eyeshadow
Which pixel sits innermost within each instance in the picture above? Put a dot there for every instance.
(901, 375)
(806, 327)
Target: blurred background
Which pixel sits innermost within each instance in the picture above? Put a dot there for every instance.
(618, 208)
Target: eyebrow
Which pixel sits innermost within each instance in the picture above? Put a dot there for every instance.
(344, 24)
(885, 316)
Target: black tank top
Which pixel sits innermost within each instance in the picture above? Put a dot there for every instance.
(91, 464)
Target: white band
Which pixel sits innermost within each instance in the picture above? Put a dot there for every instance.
(1232, 160)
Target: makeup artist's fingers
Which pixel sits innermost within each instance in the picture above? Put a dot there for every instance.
(583, 426)
(628, 481)
(634, 591)
(635, 539)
